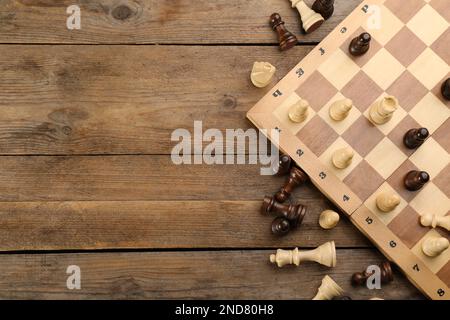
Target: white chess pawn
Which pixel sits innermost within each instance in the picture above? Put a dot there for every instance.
(298, 112)
(433, 247)
(324, 254)
(262, 74)
(387, 201)
(340, 109)
(383, 110)
(343, 157)
(328, 219)
(433, 220)
(328, 290)
(311, 20)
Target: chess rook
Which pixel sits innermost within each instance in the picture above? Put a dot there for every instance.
(324, 7)
(446, 89)
(262, 74)
(340, 109)
(383, 110)
(360, 45)
(414, 138)
(433, 220)
(296, 177)
(280, 226)
(293, 213)
(311, 20)
(432, 247)
(285, 38)
(283, 166)
(360, 278)
(415, 180)
(324, 255)
(328, 219)
(328, 290)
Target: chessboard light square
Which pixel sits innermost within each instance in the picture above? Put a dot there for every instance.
(431, 200)
(427, 24)
(390, 25)
(384, 69)
(339, 69)
(281, 113)
(339, 126)
(431, 157)
(429, 68)
(441, 6)
(386, 217)
(430, 112)
(385, 158)
(326, 158)
(387, 127)
(433, 263)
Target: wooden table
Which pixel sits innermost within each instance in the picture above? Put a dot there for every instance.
(87, 179)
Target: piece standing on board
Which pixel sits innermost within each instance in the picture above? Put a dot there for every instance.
(285, 38)
(360, 45)
(432, 247)
(324, 7)
(298, 112)
(324, 255)
(415, 180)
(383, 110)
(311, 20)
(328, 290)
(340, 109)
(445, 89)
(387, 201)
(414, 138)
(342, 158)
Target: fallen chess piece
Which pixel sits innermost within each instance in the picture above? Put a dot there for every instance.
(360, 278)
(432, 247)
(360, 45)
(433, 220)
(296, 178)
(328, 219)
(415, 180)
(282, 166)
(340, 109)
(311, 20)
(285, 38)
(445, 89)
(324, 7)
(262, 74)
(414, 138)
(328, 290)
(281, 226)
(298, 112)
(342, 158)
(324, 254)
(383, 110)
(387, 201)
(294, 214)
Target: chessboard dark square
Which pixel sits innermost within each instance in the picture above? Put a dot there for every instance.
(317, 135)
(363, 180)
(438, 93)
(441, 6)
(363, 136)
(396, 180)
(317, 90)
(440, 46)
(407, 227)
(405, 46)
(361, 60)
(442, 180)
(404, 11)
(396, 135)
(444, 274)
(408, 90)
(442, 135)
(362, 90)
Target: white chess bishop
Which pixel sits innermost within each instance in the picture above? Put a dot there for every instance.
(433, 247)
(328, 290)
(433, 220)
(383, 110)
(311, 20)
(324, 254)
(340, 109)
(262, 74)
(387, 201)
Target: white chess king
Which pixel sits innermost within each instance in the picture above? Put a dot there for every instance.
(324, 254)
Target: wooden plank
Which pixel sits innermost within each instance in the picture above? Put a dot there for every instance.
(122, 99)
(155, 22)
(158, 224)
(185, 275)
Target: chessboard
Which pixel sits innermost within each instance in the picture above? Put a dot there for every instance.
(409, 59)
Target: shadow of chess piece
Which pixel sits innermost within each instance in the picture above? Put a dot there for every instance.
(360, 45)
(446, 89)
(386, 276)
(280, 226)
(286, 39)
(293, 213)
(324, 7)
(283, 166)
(296, 177)
(414, 138)
(415, 180)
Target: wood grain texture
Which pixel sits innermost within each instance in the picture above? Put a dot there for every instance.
(154, 21)
(122, 99)
(185, 275)
(158, 224)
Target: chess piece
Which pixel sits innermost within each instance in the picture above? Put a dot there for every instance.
(415, 180)
(285, 38)
(433, 220)
(282, 166)
(414, 138)
(328, 290)
(432, 247)
(324, 7)
(340, 109)
(262, 74)
(298, 112)
(280, 226)
(387, 201)
(296, 177)
(386, 276)
(383, 110)
(328, 219)
(446, 89)
(293, 213)
(311, 20)
(342, 158)
(324, 254)
(360, 45)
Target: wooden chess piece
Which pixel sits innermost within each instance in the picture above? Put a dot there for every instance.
(328, 290)
(324, 255)
(293, 213)
(280, 226)
(415, 180)
(342, 158)
(383, 110)
(432, 247)
(282, 166)
(296, 177)
(360, 278)
(414, 138)
(387, 201)
(262, 74)
(285, 38)
(340, 109)
(324, 7)
(328, 219)
(298, 112)
(433, 220)
(311, 20)
(445, 89)
(360, 45)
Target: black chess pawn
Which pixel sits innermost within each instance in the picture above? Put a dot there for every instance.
(414, 138)
(324, 7)
(281, 226)
(415, 180)
(446, 89)
(386, 275)
(293, 213)
(283, 166)
(286, 39)
(360, 45)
